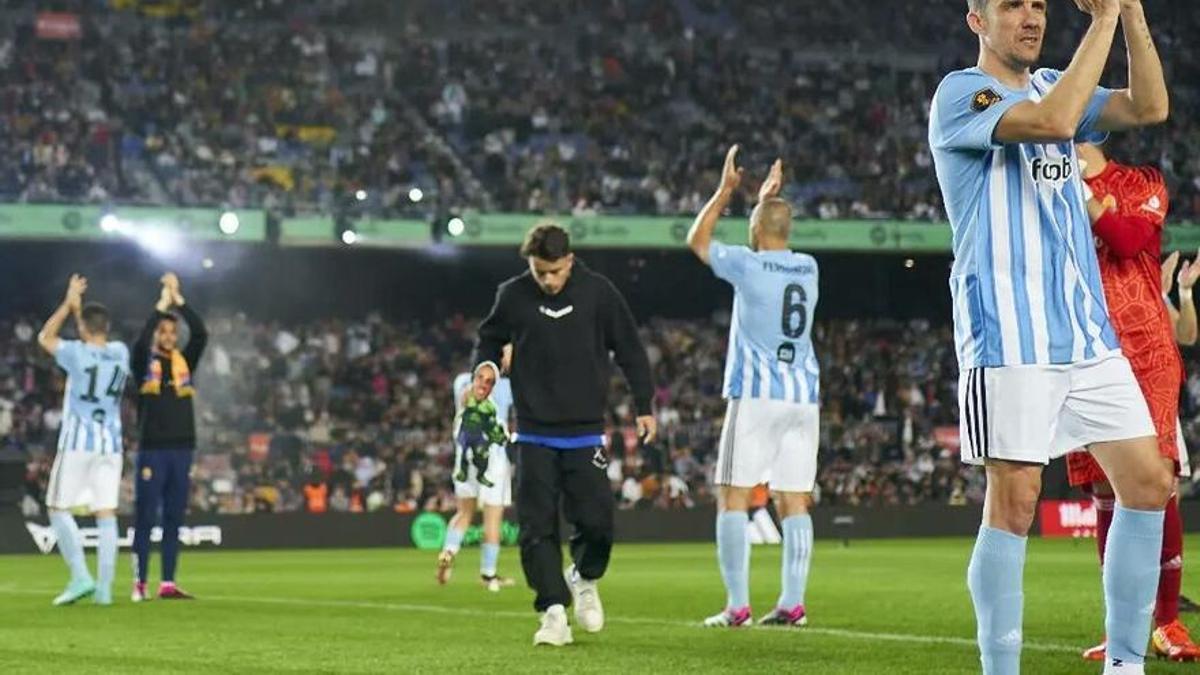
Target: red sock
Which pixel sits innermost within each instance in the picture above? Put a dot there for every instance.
(1171, 577)
(1104, 516)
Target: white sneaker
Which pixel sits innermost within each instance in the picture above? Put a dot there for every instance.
(589, 613)
(554, 631)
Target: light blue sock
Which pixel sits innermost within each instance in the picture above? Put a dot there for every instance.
(106, 568)
(488, 555)
(454, 539)
(70, 544)
(995, 577)
(797, 555)
(1131, 567)
(733, 555)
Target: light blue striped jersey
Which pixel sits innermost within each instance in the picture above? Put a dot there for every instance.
(1025, 283)
(502, 396)
(91, 420)
(770, 335)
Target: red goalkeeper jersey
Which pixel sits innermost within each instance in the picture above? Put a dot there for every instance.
(1129, 245)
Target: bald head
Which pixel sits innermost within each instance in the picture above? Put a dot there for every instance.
(770, 224)
(977, 5)
(773, 218)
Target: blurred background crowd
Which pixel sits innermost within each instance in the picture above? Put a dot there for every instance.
(563, 106)
(356, 415)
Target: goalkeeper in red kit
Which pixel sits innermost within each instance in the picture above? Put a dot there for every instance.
(1128, 206)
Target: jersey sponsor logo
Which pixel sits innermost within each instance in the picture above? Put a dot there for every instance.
(984, 99)
(786, 353)
(45, 539)
(556, 313)
(1054, 172)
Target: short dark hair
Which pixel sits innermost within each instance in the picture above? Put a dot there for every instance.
(548, 242)
(95, 318)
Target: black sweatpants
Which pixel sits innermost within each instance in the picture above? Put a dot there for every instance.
(579, 480)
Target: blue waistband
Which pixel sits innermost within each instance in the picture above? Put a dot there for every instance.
(563, 442)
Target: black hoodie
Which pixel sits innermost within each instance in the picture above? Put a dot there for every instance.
(561, 351)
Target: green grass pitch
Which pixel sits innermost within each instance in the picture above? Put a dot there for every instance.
(876, 607)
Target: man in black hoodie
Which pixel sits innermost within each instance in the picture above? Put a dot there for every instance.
(566, 323)
(166, 419)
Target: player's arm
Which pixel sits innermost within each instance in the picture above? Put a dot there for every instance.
(1058, 115)
(1167, 277)
(621, 337)
(140, 355)
(1186, 331)
(494, 332)
(1146, 101)
(197, 331)
(48, 337)
(1125, 235)
(699, 238)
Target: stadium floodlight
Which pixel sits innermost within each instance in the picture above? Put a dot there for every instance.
(109, 223)
(456, 227)
(160, 241)
(207, 263)
(349, 237)
(361, 195)
(229, 223)
(909, 263)
(415, 195)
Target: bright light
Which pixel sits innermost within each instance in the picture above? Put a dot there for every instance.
(160, 241)
(109, 223)
(361, 195)
(229, 223)
(910, 263)
(349, 237)
(207, 263)
(456, 227)
(415, 195)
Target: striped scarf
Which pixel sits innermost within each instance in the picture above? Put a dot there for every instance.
(182, 380)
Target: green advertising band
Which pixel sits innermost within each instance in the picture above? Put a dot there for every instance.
(90, 222)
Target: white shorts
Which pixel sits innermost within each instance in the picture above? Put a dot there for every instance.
(1038, 413)
(84, 479)
(499, 473)
(773, 442)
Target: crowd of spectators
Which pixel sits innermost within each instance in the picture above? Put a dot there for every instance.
(622, 106)
(356, 415)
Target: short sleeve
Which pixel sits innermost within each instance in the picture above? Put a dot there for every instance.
(966, 110)
(1087, 131)
(728, 262)
(68, 354)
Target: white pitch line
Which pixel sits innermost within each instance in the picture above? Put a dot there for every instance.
(630, 620)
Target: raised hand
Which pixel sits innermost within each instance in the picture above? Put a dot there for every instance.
(731, 175)
(170, 284)
(1100, 8)
(774, 182)
(647, 428)
(1168, 272)
(1189, 272)
(76, 287)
